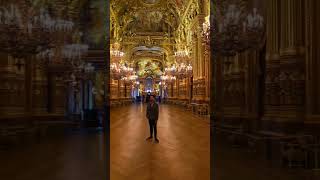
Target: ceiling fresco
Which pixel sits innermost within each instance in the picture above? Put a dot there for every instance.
(140, 16)
(147, 67)
(151, 1)
(148, 21)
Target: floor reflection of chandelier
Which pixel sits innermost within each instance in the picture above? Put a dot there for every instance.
(234, 29)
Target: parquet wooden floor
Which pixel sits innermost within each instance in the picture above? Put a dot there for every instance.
(182, 154)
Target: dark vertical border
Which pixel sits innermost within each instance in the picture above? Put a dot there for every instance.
(107, 89)
(212, 95)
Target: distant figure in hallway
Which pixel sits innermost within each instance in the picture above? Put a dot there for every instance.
(152, 115)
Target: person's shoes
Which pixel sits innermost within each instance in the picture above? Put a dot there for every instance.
(157, 140)
(149, 138)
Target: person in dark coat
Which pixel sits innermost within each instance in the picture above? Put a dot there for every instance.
(148, 98)
(153, 115)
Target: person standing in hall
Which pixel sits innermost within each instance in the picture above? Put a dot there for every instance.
(152, 115)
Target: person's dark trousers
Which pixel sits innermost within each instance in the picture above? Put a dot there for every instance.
(153, 127)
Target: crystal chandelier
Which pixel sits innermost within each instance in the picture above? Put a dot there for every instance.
(130, 79)
(89, 68)
(118, 70)
(27, 31)
(115, 71)
(71, 52)
(184, 70)
(125, 70)
(115, 51)
(181, 53)
(74, 51)
(168, 78)
(205, 32)
(133, 77)
(234, 29)
(171, 70)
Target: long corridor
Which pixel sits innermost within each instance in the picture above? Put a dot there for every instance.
(183, 151)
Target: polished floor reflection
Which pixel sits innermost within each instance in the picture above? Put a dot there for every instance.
(183, 152)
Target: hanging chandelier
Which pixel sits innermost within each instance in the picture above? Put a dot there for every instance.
(182, 53)
(184, 70)
(120, 71)
(205, 32)
(171, 70)
(115, 71)
(125, 70)
(115, 51)
(72, 53)
(133, 77)
(168, 78)
(25, 31)
(234, 28)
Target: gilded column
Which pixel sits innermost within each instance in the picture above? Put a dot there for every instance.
(292, 62)
(272, 86)
(312, 62)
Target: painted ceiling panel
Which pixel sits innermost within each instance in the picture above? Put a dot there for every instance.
(148, 67)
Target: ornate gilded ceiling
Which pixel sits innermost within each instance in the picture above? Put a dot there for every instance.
(154, 29)
(138, 17)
